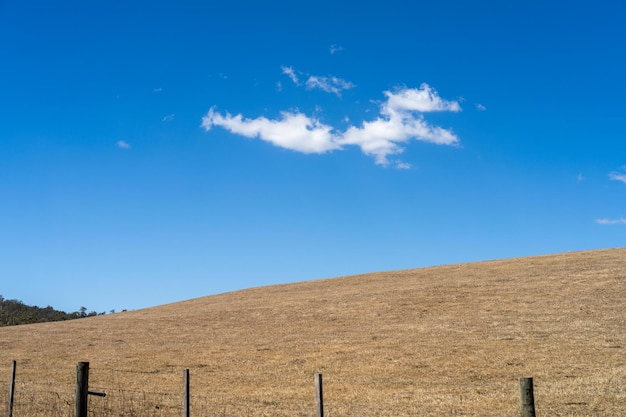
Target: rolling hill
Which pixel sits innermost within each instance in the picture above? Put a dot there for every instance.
(446, 340)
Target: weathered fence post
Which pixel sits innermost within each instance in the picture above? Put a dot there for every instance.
(185, 392)
(319, 396)
(82, 388)
(11, 391)
(527, 398)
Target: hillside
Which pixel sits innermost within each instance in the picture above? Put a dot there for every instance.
(447, 340)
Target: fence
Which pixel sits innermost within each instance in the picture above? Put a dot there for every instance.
(76, 397)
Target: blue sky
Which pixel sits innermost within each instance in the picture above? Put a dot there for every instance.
(152, 152)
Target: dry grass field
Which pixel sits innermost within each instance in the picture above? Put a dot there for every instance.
(440, 341)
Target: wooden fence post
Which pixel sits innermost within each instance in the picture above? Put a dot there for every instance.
(186, 393)
(527, 397)
(82, 388)
(319, 396)
(11, 391)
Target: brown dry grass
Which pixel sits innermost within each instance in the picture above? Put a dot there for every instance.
(449, 340)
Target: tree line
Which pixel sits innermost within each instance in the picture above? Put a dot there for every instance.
(14, 312)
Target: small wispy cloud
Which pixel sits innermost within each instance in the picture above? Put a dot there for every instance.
(279, 86)
(580, 177)
(331, 84)
(403, 165)
(168, 118)
(334, 48)
(621, 177)
(606, 221)
(123, 144)
(400, 120)
(157, 90)
(291, 73)
(618, 176)
(480, 107)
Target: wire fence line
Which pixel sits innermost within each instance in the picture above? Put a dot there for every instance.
(402, 397)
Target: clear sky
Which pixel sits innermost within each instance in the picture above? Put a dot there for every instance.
(156, 151)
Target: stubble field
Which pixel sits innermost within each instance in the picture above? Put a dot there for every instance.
(441, 341)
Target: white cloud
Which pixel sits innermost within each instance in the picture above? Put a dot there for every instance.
(400, 121)
(423, 99)
(618, 176)
(381, 137)
(122, 144)
(168, 118)
(279, 86)
(403, 165)
(480, 107)
(334, 48)
(329, 84)
(605, 221)
(289, 71)
(293, 131)
(399, 124)
(157, 90)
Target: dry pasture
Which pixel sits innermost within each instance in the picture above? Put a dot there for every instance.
(439, 341)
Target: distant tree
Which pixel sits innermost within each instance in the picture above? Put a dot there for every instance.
(14, 312)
